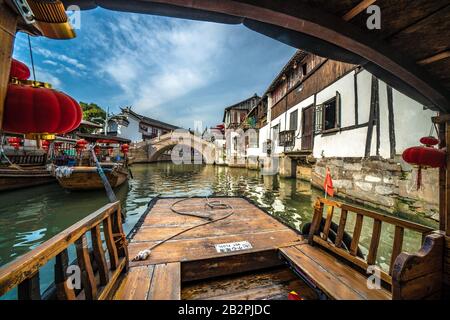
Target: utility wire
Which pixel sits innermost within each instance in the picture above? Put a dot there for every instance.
(31, 56)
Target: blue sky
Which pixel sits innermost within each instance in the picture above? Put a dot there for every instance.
(174, 70)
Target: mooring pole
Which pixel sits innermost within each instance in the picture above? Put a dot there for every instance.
(109, 191)
(8, 25)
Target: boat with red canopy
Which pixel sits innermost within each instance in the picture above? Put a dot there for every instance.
(94, 153)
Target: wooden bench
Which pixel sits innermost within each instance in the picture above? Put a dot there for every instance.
(99, 273)
(341, 274)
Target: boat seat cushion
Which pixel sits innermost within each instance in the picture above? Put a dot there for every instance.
(329, 274)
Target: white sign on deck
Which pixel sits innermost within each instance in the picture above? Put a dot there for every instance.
(233, 246)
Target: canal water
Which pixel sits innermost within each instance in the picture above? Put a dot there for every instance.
(31, 216)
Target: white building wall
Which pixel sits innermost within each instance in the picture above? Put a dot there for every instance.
(300, 106)
(131, 131)
(263, 136)
(411, 121)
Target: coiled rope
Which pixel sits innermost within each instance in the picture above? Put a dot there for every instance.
(211, 205)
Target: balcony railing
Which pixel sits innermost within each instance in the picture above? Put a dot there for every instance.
(287, 138)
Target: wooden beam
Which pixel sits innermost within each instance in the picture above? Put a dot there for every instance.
(373, 110)
(442, 180)
(390, 101)
(8, 24)
(447, 182)
(360, 7)
(434, 58)
(355, 88)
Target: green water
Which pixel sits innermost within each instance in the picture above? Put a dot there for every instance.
(31, 216)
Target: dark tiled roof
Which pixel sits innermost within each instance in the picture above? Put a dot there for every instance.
(150, 121)
(241, 105)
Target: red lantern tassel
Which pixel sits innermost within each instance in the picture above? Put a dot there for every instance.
(419, 178)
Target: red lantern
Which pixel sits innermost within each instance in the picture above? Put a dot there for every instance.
(425, 156)
(19, 70)
(45, 145)
(14, 142)
(80, 145)
(124, 148)
(39, 110)
(429, 141)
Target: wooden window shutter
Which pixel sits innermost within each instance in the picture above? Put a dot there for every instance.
(338, 109)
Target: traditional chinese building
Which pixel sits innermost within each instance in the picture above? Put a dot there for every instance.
(319, 113)
(135, 127)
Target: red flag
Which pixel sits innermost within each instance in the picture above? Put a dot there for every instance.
(328, 184)
(294, 296)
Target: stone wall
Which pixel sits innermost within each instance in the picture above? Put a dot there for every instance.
(139, 152)
(388, 185)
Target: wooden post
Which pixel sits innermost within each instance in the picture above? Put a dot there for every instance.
(8, 24)
(446, 214)
(442, 181)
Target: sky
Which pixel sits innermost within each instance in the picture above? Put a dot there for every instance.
(174, 70)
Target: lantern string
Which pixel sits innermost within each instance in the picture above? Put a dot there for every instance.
(31, 56)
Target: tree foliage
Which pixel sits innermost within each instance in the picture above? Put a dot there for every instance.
(91, 111)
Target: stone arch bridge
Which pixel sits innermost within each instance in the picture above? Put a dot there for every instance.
(180, 142)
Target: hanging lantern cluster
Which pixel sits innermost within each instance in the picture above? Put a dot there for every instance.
(80, 146)
(45, 145)
(425, 156)
(14, 142)
(57, 146)
(32, 107)
(97, 150)
(125, 148)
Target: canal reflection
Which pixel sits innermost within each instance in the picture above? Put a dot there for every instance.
(31, 216)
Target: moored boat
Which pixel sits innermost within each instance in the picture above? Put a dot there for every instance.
(96, 155)
(13, 178)
(88, 178)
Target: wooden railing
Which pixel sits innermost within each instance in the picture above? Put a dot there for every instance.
(28, 159)
(99, 272)
(321, 238)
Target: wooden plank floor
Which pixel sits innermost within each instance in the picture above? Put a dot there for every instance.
(274, 283)
(335, 278)
(248, 223)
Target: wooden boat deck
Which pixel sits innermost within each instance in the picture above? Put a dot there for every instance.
(174, 269)
(248, 223)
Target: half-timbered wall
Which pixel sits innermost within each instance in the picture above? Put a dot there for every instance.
(410, 120)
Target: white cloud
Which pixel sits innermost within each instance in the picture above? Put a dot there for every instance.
(45, 76)
(50, 62)
(60, 57)
(155, 62)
